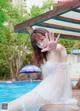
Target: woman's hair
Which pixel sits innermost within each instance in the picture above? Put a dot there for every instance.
(38, 55)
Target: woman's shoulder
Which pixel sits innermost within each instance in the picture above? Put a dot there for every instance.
(60, 47)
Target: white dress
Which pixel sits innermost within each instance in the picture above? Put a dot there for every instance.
(54, 89)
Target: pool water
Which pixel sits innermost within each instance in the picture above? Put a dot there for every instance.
(11, 91)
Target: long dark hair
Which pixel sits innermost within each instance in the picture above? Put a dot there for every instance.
(38, 55)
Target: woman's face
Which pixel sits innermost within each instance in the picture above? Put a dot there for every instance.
(41, 41)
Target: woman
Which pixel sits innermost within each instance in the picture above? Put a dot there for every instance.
(56, 85)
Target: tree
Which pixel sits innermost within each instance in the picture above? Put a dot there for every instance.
(47, 5)
(77, 44)
(14, 47)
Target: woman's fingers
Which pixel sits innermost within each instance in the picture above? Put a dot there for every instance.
(57, 38)
(47, 37)
(51, 36)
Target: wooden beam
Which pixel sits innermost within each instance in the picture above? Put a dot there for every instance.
(70, 37)
(57, 11)
(68, 28)
(69, 19)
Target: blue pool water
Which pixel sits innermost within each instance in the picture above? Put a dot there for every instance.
(11, 91)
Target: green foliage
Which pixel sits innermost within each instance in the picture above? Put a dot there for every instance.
(9, 41)
(48, 5)
(2, 18)
(77, 44)
(35, 10)
(68, 44)
(4, 7)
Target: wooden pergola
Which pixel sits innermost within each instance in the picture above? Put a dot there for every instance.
(63, 19)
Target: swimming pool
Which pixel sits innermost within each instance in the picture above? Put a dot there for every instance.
(13, 90)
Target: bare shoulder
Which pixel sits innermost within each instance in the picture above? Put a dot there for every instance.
(60, 47)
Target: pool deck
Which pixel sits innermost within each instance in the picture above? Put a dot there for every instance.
(50, 107)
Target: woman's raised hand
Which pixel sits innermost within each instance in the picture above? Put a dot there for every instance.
(51, 42)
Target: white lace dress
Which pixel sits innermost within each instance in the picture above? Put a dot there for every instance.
(54, 89)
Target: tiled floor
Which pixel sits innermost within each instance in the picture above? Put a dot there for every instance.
(50, 107)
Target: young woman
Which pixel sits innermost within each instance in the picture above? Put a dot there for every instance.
(56, 85)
